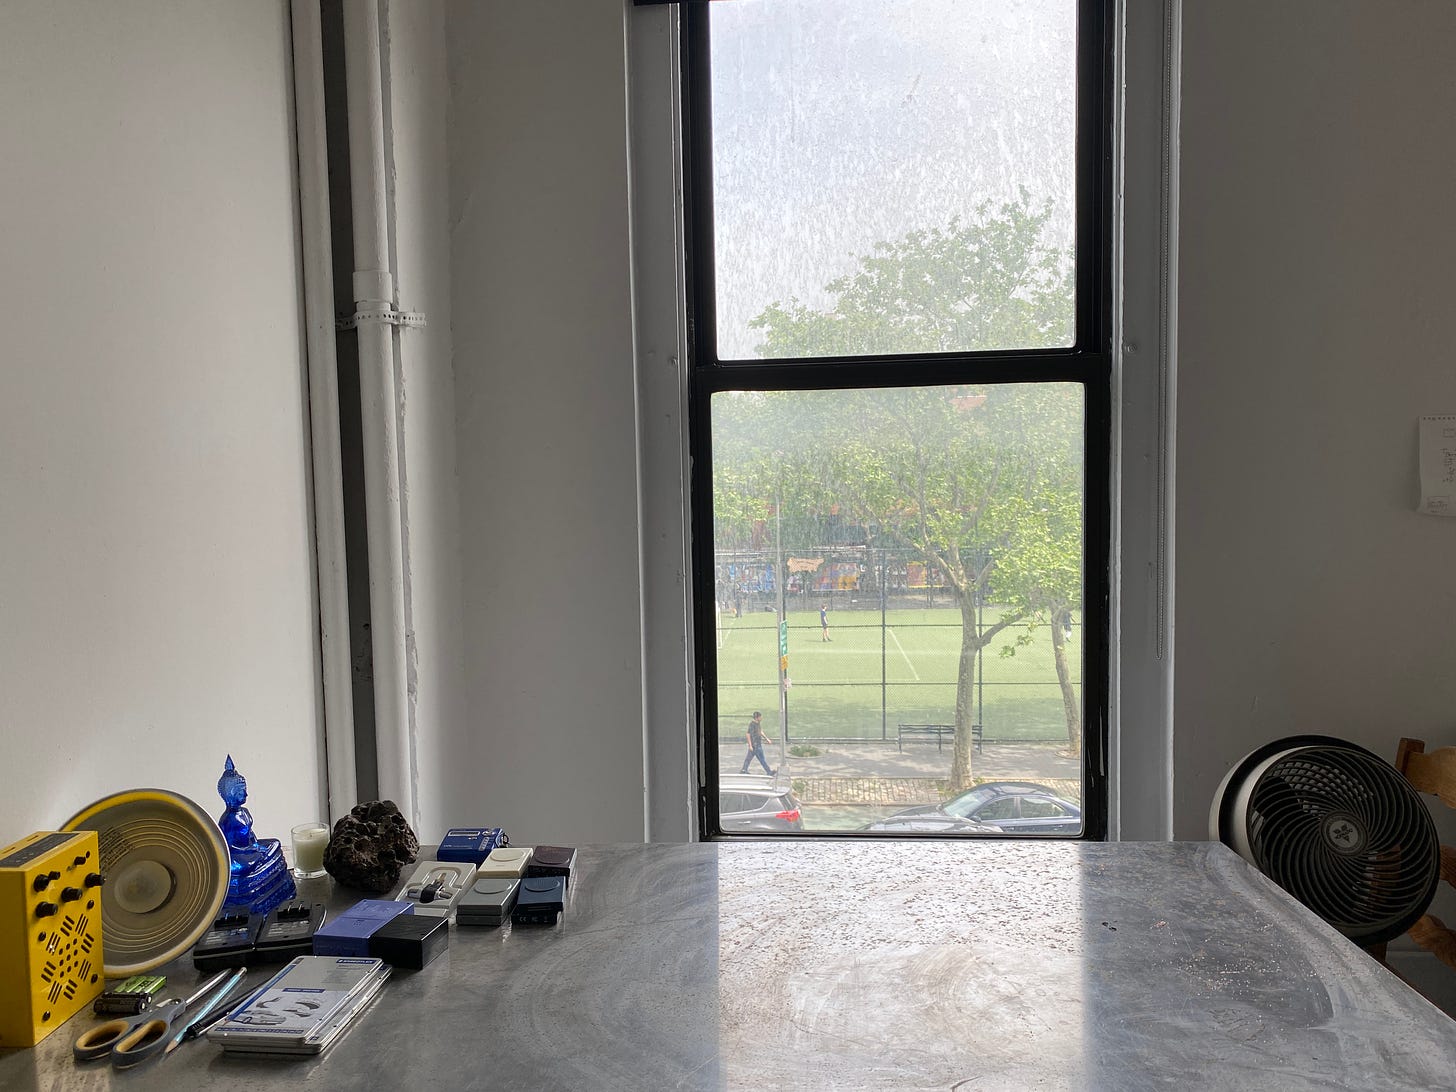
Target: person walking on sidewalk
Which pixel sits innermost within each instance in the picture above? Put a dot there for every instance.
(824, 621)
(755, 745)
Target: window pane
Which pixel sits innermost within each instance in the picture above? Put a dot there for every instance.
(893, 176)
(998, 809)
(894, 569)
(967, 802)
(1039, 809)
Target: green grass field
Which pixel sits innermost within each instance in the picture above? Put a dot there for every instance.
(837, 689)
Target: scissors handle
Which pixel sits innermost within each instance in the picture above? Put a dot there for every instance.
(132, 1040)
(150, 1035)
(98, 1041)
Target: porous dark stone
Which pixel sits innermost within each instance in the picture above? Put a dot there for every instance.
(370, 846)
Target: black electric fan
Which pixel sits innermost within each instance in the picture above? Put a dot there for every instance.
(1338, 828)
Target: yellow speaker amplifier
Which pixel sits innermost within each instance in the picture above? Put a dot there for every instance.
(50, 933)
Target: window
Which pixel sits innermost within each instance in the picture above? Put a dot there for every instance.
(1040, 809)
(998, 809)
(967, 803)
(899, 386)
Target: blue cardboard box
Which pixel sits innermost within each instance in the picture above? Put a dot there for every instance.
(349, 933)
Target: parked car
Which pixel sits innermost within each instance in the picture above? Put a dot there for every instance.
(749, 802)
(1009, 807)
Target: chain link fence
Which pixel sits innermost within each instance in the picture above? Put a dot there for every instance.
(890, 654)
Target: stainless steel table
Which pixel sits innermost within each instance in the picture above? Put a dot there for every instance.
(813, 965)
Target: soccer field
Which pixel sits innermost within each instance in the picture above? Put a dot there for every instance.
(868, 678)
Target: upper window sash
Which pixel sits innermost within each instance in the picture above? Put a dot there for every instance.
(780, 268)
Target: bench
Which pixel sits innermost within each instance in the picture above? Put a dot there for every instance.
(939, 731)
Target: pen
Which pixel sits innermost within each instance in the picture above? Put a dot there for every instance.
(232, 980)
(197, 1027)
(207, 987)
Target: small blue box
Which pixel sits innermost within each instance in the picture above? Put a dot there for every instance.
(349, 933)
(471, 844)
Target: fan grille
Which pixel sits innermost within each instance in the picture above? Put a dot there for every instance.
(1347, 836)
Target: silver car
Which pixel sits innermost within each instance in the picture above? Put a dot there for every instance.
(1004, 807)
(750, 802)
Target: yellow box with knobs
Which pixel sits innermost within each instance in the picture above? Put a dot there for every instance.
(50, 933)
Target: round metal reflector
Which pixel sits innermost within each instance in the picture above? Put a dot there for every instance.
(166, 866)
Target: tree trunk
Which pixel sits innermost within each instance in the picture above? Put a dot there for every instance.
(971, 641)
(1070, 705)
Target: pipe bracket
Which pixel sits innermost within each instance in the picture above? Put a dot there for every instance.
(381, 316)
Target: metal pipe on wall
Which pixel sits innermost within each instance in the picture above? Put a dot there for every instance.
(373, 283)
(323, 396)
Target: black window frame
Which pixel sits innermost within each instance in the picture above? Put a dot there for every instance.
(1088, 361)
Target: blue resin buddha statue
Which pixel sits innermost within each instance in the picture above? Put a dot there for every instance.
(260, 877)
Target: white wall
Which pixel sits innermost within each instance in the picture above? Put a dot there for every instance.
(551, 744)
(1318, 228)
(152, 444)
(156, 595)
(155, 540)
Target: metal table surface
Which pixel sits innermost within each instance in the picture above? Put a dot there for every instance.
(865, 965)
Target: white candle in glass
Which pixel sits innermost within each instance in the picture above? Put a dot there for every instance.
(309, 842)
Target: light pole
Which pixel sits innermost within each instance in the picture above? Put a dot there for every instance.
(884, 663)
(781, 580)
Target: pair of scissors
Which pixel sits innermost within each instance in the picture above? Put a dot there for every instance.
(133, 1039)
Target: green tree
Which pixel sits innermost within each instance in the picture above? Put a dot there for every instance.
(990, 282)
(950, 472)
(1043, 574)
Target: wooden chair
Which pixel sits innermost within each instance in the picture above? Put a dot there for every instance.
(1433, 773)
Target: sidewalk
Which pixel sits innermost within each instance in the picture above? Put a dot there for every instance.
(881, 774)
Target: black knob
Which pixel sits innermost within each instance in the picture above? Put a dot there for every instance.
(46, 909)
(70, 894)
(41, 882)
(95, 879)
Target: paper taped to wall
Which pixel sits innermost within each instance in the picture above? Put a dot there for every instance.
(1438, 465)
